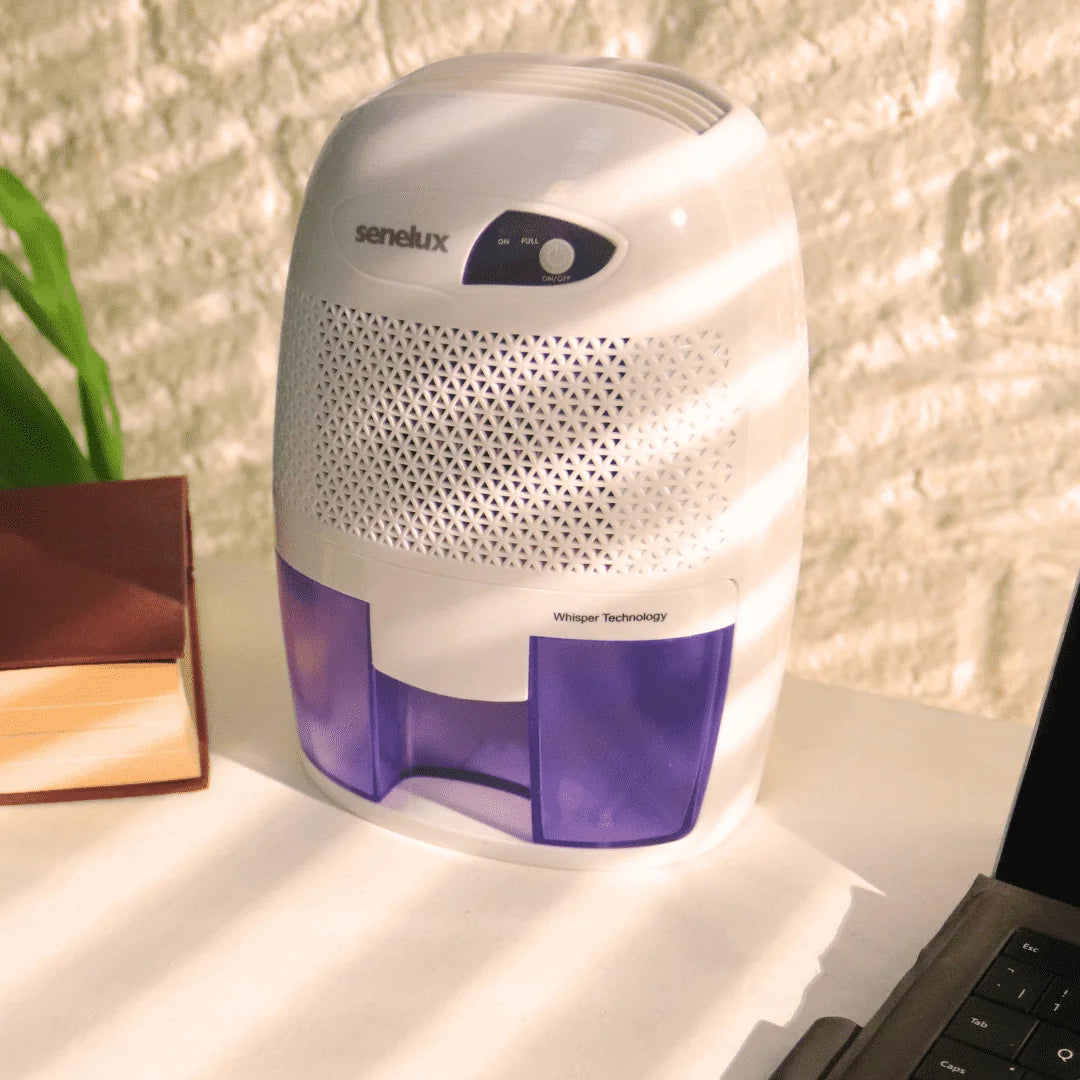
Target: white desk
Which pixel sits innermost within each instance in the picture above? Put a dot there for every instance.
(255, 932)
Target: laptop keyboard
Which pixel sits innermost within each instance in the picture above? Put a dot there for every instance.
(1022, 1022)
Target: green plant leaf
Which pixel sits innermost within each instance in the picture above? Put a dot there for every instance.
(49, 300)
(36, 445)
(22, 289)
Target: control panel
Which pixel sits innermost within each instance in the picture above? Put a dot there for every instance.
(520, 248)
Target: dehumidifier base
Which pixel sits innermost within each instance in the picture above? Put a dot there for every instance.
(411, 809)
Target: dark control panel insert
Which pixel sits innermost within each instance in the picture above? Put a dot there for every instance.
(533, 249)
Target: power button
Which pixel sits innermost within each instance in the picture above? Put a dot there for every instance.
(522, 248)
(556, 256)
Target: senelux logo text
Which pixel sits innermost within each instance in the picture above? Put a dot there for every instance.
(411, 237)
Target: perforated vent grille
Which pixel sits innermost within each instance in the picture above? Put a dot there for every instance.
(598, 455)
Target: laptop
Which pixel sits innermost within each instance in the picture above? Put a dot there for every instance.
(995, 995)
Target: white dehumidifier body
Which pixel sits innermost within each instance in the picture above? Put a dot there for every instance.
(540, 458)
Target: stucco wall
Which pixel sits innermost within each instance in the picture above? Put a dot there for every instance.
(934, 153)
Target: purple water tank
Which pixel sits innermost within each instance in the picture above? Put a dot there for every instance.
(611, 748)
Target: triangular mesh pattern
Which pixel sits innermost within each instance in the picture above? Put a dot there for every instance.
(590, 455)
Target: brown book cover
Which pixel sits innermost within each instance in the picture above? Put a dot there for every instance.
(100, 574)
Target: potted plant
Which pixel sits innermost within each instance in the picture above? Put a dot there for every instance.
(37, 448)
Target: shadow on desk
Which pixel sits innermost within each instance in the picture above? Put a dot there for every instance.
(913, 800)
(847, 962)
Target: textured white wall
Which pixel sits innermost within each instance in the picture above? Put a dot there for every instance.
(933, 147)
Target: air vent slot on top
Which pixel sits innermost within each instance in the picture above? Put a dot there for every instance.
(647, 88)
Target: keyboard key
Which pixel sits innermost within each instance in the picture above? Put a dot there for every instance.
(1045, 952)
(950, 1060)
(1013, 984)
(1053, 1052)
(991, 1027)
(1061, 1004)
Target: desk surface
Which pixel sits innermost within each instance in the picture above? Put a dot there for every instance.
(255, 931)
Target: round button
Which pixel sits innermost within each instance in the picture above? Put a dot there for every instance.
(557, 256)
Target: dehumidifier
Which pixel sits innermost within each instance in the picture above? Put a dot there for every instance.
(540, 458)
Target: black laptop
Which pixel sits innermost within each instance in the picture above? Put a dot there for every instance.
(996, 994)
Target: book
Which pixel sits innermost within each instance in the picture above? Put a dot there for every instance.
(101, 690)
